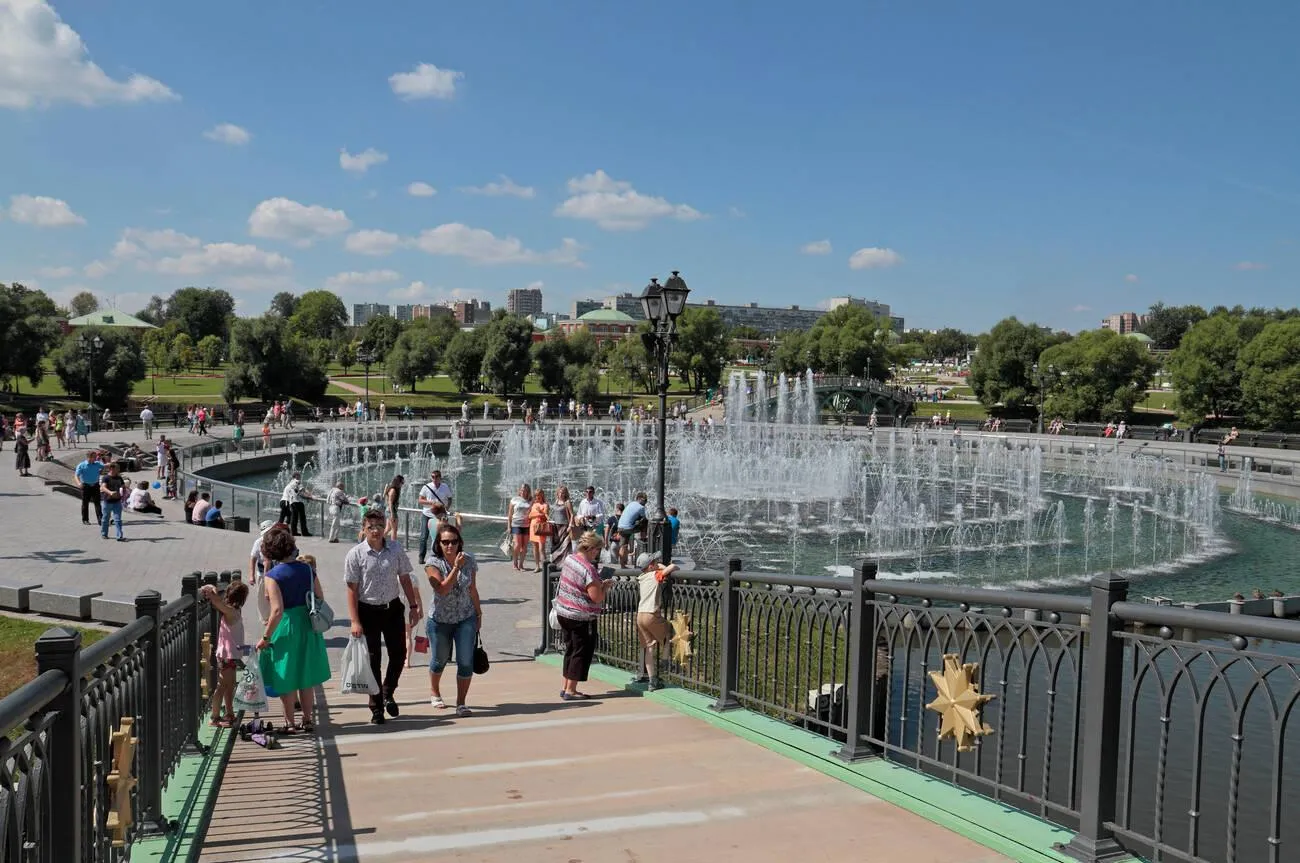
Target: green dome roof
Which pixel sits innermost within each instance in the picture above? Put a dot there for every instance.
(1140, 337)
(607, 316)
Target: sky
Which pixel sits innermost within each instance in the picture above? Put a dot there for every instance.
(961, 162)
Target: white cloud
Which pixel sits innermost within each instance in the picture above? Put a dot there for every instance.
(615, 206)
(214, 257)
(735, 212)
(425, 81)
(502, 187)
(98, 269)
(361, 162)
(136, 242)
(412, 292)
(872, 258)
(1249, 265)
(421, 190)
(484, 247)
(55, 272)
(1081, 308)
(283, 219)
(816, 247)
(43, 61)
(372, 243)
(339, 281)
(1132, 278)
(41, 211)
(228, 133)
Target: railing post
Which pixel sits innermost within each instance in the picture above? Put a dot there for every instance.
(59, 649)
(545, 646)
(148, 604)
(1103, 694)
(862, 669)
(191, 694)
(730, 676)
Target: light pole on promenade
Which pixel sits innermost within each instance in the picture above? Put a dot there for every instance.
(366, 358)
(90, 349)
(662, 305)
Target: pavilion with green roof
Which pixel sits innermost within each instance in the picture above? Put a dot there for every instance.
(110, 318)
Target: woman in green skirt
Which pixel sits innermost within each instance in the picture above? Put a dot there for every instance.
(291, 654)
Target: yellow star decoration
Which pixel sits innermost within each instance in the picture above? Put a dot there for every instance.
(681, 640)
(121, 781)
(959, 702)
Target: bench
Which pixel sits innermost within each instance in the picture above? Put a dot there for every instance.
(75, 604)
(16, 598)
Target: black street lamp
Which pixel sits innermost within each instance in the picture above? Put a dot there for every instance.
(1041, 379)
(662, 305)
(90, 349)
(367, 359)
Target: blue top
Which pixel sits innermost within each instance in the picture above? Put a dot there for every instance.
(213, 514)
(633, 513)
(295, 579)
(88, 472)
(676, 524)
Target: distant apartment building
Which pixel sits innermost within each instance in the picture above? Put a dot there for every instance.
(524, 301)
(581, 307)
(404, 313)
(628, 304)
(471, 312)
(1123, 323)
(363, 312)
(766, 319)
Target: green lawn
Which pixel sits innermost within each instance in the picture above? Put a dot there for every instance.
(17, 649)
(960, 393)
(1159, 400)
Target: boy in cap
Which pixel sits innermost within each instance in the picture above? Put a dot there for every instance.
(651, 626)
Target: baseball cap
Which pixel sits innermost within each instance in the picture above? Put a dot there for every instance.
(644, 560)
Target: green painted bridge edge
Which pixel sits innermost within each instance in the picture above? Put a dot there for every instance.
(188, 801)
(1016, 834)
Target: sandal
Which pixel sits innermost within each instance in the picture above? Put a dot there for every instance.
(437, 702)
(307, 727)
(216, 722)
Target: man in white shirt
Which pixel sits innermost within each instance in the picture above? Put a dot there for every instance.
(591, 510)
(293, 511)
(146, 417)
(433, 491)
(336, 500)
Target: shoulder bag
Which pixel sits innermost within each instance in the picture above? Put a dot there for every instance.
(322, 616)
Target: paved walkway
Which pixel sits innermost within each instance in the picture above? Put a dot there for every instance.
(530, 777)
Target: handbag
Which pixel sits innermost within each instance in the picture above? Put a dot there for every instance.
(322, 616)
(481, 663)
(506, 546)
(250, 693)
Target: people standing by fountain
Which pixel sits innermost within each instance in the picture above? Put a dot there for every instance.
(651, 627)
(591, 511)
(377, 572)
(517, 509)
(435, 491)
(293, 509)
(336, 500)
(539, 526)
(392, 499)
(455, 614)
(561, 526)
(291, 653)
(579, 600)
(631, 526)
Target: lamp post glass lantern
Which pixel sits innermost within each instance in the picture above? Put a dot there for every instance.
(366, 358)
(90, 349)
(662, 305)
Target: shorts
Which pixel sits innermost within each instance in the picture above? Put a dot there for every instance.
(627, 533)
(653, 628)
(519, 531)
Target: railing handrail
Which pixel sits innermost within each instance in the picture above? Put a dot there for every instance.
(30, 698)
(101, 651)
(981, 596)
(1227, 623)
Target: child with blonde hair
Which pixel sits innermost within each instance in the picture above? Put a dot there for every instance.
(230, 647)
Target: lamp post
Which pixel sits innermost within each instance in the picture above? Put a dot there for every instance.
(662, 305)
(1041, 378)
(366, 358)
(90, 349)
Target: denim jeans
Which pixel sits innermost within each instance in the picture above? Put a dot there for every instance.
(441, 638)
(112, 509)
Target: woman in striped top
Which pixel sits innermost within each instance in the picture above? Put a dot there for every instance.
(578, 602)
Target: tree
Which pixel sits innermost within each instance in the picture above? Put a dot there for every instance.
(154, 312)
(201, 312)
(319, 315)
(582, 382)
(1095, 376)
(629, 363)
(348, 356)
(380, 334)
(156, 345)
(793, 353)
(559, 362)
(270, 362)
(1204, 368)
(210, 351)
(463, 359)
(414, 356)
(283, 305)
(702, 347)
(506, 352)
(852, 341)
(117, 366)
(28, 332)
(1002, 372)
(183, 351)
(83, 304)
(1166, 325)
(947, 343)
(1270, 376)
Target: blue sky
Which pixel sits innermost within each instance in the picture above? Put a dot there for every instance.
(973, 160)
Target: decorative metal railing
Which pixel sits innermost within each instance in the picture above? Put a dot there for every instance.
(91, 741)
(1162, 732)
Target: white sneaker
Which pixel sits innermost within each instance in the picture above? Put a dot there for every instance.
(437, 702)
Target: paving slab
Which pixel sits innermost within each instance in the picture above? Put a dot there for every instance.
(531, 777)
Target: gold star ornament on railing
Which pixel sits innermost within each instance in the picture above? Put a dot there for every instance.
(681, 640)
(121, 782)
(958, 702)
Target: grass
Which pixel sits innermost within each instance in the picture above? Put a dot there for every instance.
(1159, 400)
(18, 652)
(959, 410)
(960, 393)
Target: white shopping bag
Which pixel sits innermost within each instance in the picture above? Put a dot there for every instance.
(357, 678)
(250, 693)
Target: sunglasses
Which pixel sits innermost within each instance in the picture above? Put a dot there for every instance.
(374, 527)
(452, 541)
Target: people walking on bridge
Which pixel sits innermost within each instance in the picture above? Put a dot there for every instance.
(377, 572)
(455, 614)
(291, 654)
(435, 491)
(88, 473)
(579, 600)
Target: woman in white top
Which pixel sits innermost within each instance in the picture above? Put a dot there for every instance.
(517, 517)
